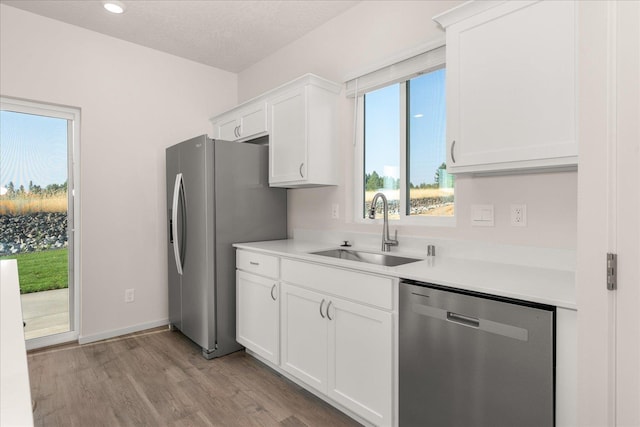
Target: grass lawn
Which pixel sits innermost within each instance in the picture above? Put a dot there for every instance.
(42, 271)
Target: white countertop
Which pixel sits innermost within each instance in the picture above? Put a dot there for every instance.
(15, 392)
(535, 284)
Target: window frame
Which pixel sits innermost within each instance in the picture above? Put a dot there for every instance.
(359, 161)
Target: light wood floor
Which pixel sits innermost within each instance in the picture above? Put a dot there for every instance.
(159, 378)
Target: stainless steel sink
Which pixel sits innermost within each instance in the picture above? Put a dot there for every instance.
(370, 257)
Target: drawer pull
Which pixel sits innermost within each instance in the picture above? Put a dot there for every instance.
(254, 263)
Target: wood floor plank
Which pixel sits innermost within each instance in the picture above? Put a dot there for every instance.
(159, 378)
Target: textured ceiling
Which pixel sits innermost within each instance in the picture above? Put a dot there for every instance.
(230, 35)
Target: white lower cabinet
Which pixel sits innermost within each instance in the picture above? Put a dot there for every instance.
(304, 336)
(341, 348)
(360, 360)
(257, 315)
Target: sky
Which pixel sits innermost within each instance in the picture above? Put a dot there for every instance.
(32, 148)
(427, 128)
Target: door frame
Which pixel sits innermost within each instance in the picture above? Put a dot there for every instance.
(608, 214)
(72, 115)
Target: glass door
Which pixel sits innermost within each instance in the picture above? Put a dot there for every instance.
(37, 215)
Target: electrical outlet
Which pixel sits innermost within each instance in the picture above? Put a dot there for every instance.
(519, 215)
(335, 211)
(129, 295)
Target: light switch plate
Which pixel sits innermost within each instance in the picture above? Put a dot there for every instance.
(482, 216)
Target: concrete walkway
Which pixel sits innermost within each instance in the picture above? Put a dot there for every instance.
(46, 313)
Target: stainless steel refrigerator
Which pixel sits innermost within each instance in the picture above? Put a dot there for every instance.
(217, 194)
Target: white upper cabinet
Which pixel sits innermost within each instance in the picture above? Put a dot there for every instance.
(511, 86)
(245, 122)
(302, 142)
(300, 119)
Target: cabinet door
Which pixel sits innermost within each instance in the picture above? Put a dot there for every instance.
(360, 360)
(288, 140)
(257, 315)
(304, 335)
(228, 129)
(511, 88)
(253, 120)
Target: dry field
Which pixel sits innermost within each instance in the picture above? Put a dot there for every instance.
(31, 204)
(422, 200)
(416, 193)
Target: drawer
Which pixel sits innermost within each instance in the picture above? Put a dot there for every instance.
(354, 285)
(257, 263)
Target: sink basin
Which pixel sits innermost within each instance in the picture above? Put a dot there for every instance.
(370, 257)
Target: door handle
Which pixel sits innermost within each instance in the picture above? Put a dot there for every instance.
(328, 306)
(273, 288)
(174, 223)
(463, 320)
(453, 157)
(321, 304)
(301, 175)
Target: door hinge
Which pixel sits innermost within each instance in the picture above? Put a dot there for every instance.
(612, 271)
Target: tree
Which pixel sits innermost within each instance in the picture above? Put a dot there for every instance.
(373, 181)
(436, 178)
(11, 189)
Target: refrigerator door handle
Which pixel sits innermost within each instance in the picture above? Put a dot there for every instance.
(174, 222)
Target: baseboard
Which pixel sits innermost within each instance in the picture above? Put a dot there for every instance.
(85, 339)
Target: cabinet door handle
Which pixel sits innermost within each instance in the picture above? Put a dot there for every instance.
(328, 306)
(301, 165)
(453, 157)
(321, 304)
(273, 288)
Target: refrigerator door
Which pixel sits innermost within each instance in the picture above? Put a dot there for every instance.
(174, 279)
(247, 209)
(197, 240)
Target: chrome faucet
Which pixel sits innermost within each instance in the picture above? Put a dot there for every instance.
(387, 242)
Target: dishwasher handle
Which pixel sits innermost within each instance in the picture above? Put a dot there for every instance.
(463, 320)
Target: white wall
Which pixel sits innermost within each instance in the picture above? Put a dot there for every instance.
(135, 102)
(368, 34)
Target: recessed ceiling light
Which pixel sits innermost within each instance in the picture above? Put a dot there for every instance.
(114, 6)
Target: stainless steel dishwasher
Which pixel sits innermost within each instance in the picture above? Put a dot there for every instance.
(469, 359)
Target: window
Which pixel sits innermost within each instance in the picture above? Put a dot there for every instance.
(403, 150)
